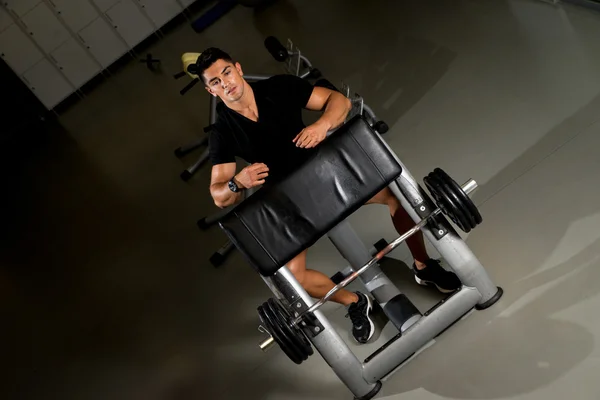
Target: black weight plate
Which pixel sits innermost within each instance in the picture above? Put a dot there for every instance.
(461, 217)
(286, 333)
(290, 339)
(451, 194)
(295, 335)
(463, 197)
(268, 318)
(281, 340)
(445, 203)
(432, 186)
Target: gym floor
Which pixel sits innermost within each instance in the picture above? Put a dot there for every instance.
(106, 291)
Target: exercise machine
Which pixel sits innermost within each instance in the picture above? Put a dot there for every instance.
(358, 108)
(278, 222)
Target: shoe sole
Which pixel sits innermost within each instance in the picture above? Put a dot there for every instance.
(431, 283)
(372, 331)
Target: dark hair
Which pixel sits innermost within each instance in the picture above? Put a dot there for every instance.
(208, 57)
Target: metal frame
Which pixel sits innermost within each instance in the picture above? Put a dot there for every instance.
(363, 378)
(295, 60)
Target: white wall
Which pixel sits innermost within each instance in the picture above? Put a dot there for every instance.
(56, 46)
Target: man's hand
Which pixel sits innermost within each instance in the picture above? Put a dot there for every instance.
(253, 175)
(311, 136)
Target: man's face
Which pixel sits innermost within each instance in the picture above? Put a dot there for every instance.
(224, 79)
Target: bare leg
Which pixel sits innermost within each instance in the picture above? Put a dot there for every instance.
(316, 283)
(403, 222)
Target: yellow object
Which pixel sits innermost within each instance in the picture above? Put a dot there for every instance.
(188, 59)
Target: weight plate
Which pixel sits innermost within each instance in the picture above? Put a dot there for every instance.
(464, 199)
(445, 202)
(272, 326)
(468, 221)
(277, 330)
(292, 333)
(290, 339)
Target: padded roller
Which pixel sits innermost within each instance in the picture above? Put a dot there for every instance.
(277, 50)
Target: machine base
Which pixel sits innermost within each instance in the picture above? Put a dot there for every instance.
(372, 393)
(491, 301)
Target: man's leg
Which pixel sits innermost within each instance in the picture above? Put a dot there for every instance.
(427, 271)
(403, 222)
(318, 284)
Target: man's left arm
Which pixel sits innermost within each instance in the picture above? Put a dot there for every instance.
(335, 107)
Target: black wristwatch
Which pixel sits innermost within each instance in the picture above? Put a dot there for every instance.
(233, 186)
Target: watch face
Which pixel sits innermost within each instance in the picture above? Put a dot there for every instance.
(232, 186)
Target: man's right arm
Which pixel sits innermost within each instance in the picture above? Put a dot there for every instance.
(249, 177)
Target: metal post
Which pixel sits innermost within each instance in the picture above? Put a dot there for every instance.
(394, 304)
(201, 160)
(256, 77)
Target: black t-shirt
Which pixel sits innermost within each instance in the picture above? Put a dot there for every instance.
(280, 100)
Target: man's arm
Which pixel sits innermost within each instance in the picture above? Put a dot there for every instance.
(335, 107)
(249, 177)
(220, 176)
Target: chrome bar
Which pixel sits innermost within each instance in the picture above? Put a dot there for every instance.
(308, 64)
(469, 187)
(266, 344)
(256, 77)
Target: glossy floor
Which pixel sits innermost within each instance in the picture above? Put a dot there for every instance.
(105, 287)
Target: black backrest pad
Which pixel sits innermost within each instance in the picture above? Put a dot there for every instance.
(279, 221)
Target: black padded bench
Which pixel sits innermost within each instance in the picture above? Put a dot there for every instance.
(279, 221)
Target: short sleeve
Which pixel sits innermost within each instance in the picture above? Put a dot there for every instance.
(293, 89)
(219, 150)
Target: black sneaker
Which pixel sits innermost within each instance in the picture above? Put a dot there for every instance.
(434, 275)
(362, 325)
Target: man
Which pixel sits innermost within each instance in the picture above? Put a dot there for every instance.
(261, 122)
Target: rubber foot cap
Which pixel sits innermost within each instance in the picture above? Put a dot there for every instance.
(179, 153)
(315, 73)
(372, 393)
(186, 175)
(217, 259)
(202, 224)
(491, 301)
(381, 127)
